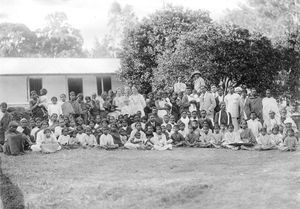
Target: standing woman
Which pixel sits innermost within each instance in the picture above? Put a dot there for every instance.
(137, 101)
(36, 110)
(118, 99)
(126, 108)
(163, 104)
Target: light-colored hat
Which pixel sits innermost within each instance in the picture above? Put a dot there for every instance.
(238, 89)
(288, 120)
(23, 120)
(195, 73)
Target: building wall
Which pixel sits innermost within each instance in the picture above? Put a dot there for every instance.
(15, 89)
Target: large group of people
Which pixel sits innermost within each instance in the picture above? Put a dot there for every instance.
(189, 115)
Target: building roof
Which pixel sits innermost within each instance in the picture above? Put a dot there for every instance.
(56, 66)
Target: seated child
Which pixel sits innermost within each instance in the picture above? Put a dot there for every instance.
(58, 129)
(138, 143)
(115, 134)
(246, 136)
(290, 142)
(48, 144)
(81, 136)
(206, 138)
(264, 141)
(64, 139)
(276, 137)
(53, 121)
(176, 138)
(165, 132)
(123, 136)
(191, 138)
(135, 143)
(218, 137)
(159, 141)
(90, 138)
(223, 129)
(231, 137)
(106, 140)
(169, 130)
(183, 130)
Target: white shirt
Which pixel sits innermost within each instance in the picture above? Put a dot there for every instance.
(81, 138)
(106, 140)
(63, 140)
(232, 104)
(54, 108)
(255, 126)
(268, 105)
(90, 140)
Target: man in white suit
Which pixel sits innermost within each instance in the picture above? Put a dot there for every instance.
(233, 102)
(207, 102)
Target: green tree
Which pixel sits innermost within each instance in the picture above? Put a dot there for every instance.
(144, 43)
(273, 18)
(16, 40)
(59, 38)
(223, 55)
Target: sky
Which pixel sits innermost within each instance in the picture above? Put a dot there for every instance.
(91, 16)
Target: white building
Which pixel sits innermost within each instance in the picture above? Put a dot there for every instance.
(19, 76)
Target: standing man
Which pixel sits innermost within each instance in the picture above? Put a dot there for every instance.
(207, 102)
(198, 81)
(233, 101)
(254, 104)
(269, 104)
(179, 86)
(5, 119)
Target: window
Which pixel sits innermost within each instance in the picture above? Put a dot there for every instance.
(106, 83)
(35, 84)
(75, 84)
(99, 85)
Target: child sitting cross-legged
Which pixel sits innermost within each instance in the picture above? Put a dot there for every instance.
(106, 140)
(231, 137)
(290, 141)
(264, 141)
(176, 137)
(90, 139)
(64, 138)
(123, 136)
(206, 138)
(159, 141)
(218, 137)
(276, 137)
(136, 141)
(247, 136)
(191, 138)
(48, 143)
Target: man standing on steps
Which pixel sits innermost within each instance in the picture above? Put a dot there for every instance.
(233, 101)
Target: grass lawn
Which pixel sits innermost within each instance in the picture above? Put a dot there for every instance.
(182, 178)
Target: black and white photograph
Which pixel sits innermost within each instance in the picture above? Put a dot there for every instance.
(138, 104)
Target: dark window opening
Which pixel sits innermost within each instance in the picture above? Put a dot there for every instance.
(75, 84)
(99, 85)
(35, 84)
(107, 83)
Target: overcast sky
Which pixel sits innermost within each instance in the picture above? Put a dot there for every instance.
(90, 16)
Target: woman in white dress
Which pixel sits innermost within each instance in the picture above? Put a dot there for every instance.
(163, 104)
(118, 99)
(126, 108)
(137, 102)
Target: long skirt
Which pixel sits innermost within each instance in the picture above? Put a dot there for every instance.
(14, 145)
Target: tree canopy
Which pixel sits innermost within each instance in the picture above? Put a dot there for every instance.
(144, 43)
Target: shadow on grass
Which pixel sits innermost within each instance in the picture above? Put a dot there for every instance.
(11, 195)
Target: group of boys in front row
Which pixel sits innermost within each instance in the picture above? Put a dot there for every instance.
(145, 133)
